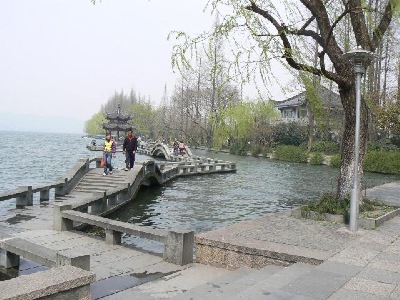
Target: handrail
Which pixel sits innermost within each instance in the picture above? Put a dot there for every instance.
(64, 182)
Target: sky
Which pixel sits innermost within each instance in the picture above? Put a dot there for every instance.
(61, 60)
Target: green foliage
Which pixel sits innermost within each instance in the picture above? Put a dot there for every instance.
(317, 158)
(256, 150)
(387, 118)
(290, 153)
(143, 118)
(335, 161)
(93, 126)
(328, 204)
(314, 99)
(326, 147)
(239, 147)
(387, 162)
(291, 133)
(237, 122)
(384, 144)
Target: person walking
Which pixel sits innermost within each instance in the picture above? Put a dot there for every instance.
(108, 152)
(129, 147)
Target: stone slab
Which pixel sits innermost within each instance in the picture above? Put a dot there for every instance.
(317, 284)
(370, 286)
(45, 283)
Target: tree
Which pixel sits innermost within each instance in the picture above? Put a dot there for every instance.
(241, 122)
(287, 32)
(94, 124)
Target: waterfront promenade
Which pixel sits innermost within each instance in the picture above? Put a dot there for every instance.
(335, 263)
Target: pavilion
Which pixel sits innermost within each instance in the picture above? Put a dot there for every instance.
(117, 122)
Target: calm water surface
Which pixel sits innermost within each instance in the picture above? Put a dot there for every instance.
(200, 203)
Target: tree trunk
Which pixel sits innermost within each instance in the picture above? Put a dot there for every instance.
(346, 175)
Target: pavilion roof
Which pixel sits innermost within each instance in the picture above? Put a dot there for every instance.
(117, 126)
(118, 116)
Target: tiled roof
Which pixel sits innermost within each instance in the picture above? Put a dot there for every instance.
(330, 99)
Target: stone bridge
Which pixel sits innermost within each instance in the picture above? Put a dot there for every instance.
(161, 150)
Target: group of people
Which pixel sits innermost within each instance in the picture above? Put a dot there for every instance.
(129, 148)
(179, 147)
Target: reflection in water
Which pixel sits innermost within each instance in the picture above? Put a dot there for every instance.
(260, 186)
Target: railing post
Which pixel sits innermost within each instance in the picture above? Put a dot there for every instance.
(62, 189)
(65, 258)
(26, 198)
(113, 237)
(45, 195)
(8, 259)
(60, 223)
(178, 248)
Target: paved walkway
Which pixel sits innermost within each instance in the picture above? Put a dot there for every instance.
(361, 265)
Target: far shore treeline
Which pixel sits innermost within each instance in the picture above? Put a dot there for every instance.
(249, 127)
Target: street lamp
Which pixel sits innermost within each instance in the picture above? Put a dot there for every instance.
(361, 59)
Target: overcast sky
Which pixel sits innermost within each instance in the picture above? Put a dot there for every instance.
(61, 59)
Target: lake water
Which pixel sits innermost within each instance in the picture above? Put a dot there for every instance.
(200, 203)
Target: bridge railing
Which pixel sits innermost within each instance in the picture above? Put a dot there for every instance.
(24, 194)
(178, 244)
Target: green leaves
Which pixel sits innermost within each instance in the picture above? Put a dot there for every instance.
(238, 122)
(94, 124)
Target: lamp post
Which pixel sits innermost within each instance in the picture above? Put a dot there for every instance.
(361, 59)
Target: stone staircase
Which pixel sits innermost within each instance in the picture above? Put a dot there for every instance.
(96, 182)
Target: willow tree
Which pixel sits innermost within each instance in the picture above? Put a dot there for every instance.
(237, 123)
(283, 30)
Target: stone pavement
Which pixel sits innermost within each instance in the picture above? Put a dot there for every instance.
(344, 265)
(335, 263)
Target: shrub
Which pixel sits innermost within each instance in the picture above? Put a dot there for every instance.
(326, 147)
(290, 153)
(317, 159)
(328, 204)
(384, 144)
(256, 150)
(335, 161)
(387, 162)
(292, 133)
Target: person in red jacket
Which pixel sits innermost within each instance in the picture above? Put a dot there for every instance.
(129, 147)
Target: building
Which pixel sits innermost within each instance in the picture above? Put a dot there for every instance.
(117, 122)
(295, 109)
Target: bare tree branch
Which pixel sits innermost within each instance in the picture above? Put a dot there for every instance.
(288, 52)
